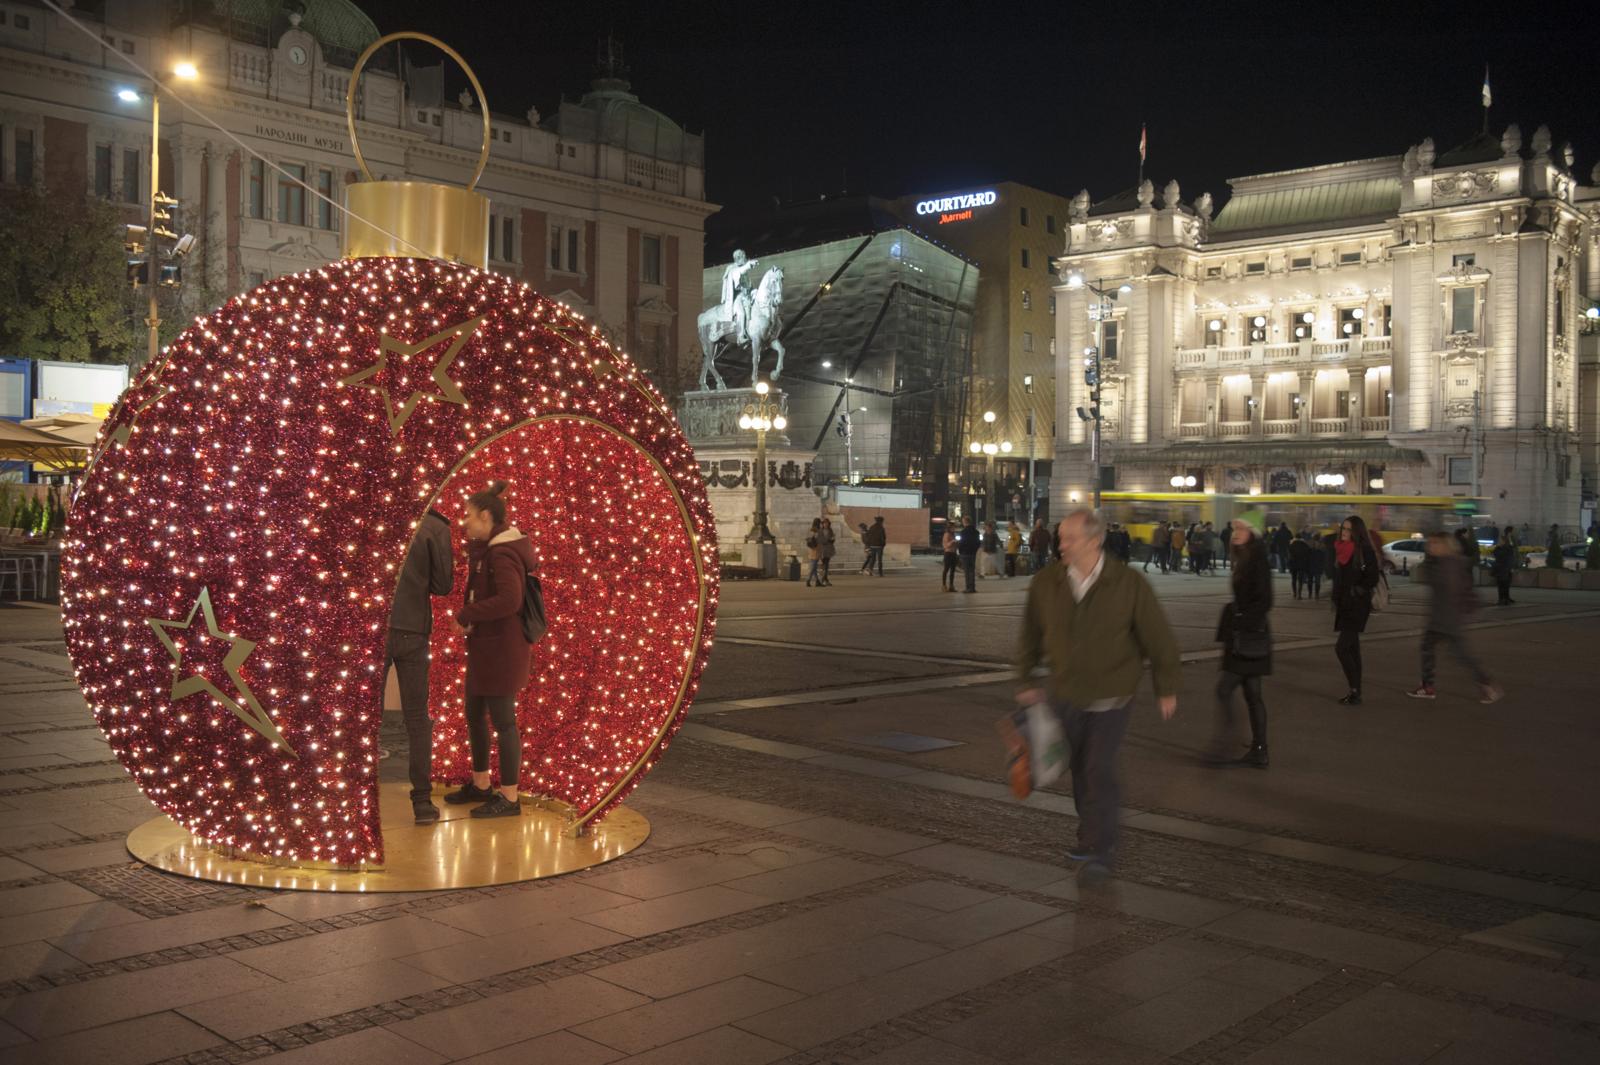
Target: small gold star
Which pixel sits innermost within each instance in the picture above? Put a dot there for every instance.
(449, 391)
(245, 708)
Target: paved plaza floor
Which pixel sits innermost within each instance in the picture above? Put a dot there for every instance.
(837, 873)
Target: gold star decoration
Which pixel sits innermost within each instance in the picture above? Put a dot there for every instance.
(449, 391)
(245, 708)
(124, 432)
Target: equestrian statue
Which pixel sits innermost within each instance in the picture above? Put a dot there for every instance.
(742, 319)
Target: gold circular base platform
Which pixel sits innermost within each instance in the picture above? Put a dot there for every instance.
(457, 852)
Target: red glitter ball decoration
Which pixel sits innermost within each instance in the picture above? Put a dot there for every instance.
(232, 553)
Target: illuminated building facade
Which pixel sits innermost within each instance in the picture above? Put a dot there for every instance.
(600, 204)
(1408, 325)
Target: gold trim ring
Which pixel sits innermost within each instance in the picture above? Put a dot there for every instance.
(408, 35)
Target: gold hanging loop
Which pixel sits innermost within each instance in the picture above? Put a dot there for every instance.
(408, 35)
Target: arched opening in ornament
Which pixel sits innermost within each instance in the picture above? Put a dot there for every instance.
(616, 562)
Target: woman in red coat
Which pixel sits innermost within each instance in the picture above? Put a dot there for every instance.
(500, 559)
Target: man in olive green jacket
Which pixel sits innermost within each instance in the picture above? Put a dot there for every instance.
(1091, 621)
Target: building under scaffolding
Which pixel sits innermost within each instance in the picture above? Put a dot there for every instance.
(877, 334)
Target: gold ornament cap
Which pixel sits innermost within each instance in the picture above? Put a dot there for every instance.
(416, 219)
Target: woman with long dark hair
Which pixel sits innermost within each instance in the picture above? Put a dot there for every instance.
(500, 559)
(1246, 641)
(1355, 577)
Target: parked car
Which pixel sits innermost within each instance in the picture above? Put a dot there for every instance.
(1572, 556)
(1403, 554)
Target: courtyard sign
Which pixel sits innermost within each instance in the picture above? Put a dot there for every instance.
(957, 208)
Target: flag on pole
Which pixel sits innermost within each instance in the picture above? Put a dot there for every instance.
(1143, 136)
(1488, 97)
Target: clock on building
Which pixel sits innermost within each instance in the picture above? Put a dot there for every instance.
(297, 55)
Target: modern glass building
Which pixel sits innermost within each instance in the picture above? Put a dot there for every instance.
(877, 331)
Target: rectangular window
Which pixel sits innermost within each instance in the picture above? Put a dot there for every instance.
(1027, 340)
(492, 248)
(1460, 469)
(1030, 423)
(1024, 214)
(1561, 312)
(1350, 322)
(1052, 303)
(130, 175)
(1302, 324)
(555, 247)
(1255, 268)
(127, 46)
(1349, 258)
(258, 189)
(1049, 223)
(1341, 403)
(1388, 320)
(1027, 300)
(256, 279)
(422, 116)
(572, 251)
(508, 239)
(436, 120)
(1463, 310)
(21, 22)
(1052, 345)
(1464, 260)
(102, 171)
(650, 259)
(1213, 272)
(325, 201)
(1302, 262)
(292, 195)
(1108, 341)
(24, 152)
(1025, 258)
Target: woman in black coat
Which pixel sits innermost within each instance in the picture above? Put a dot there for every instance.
(1355, 577)
(1246, 639)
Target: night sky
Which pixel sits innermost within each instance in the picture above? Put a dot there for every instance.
(798, 100)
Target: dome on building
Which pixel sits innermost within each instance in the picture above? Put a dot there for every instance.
(609, 113)
(338, 25)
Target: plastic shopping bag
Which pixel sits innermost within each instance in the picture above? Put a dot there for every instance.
(1037, 747)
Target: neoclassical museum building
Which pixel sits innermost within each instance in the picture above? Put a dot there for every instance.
(599, 203)
(1417, 324)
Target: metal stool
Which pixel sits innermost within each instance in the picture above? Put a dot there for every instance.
(18, 569)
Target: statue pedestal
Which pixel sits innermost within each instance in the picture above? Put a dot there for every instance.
(727, 456)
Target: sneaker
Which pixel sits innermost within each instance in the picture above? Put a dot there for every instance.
(424, 812)
(1424, 692)
(1491, 693)
(499, 806)
(1094, 873)
(1353, 699)
(468, 792)
(1082, 854)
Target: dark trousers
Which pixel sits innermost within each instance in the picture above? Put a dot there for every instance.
(1011, 565)
(1255, 705)
(948, 578)
(969, 570)
(1093, 740)
(1040, 559)
(502, 711)
(1458, 644)
(874, 557)
(1503, 585)
(408, 653)
(1348, 648)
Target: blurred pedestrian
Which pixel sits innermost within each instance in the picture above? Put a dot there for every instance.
(947, 580)
(968, 541)
(1092, 622)
(1552, 549)
(1299, 553)
(814, 553)
(1355, 576)
(1246, 638)
(1039, 544)
(1158, 547)
(989, 562)
(1447, 574)
(1013, 547)
(827, 542)
(1175, 544)
(875, 540)
(499, 561)
(1281, 539)
(1502, 564)
(1316, 562)
(428, 570)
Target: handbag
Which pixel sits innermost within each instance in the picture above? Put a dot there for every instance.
(534, 625)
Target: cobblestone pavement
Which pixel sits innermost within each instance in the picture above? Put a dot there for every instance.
(803, 898)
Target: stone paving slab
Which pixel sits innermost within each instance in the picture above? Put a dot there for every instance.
(125, 996)
(150, 1038)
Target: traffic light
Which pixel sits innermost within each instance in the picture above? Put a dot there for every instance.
(142, 248)
(135, 245)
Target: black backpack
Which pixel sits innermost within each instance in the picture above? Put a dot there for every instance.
(534, 625)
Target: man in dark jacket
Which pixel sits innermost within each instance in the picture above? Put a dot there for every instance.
(875, 540)
(1091, 622)
(428, 570)
(1281, 538)
(968, 540)
(1447, 573)
(1503, 563)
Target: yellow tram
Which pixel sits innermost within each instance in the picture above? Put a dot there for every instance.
(1393, 517)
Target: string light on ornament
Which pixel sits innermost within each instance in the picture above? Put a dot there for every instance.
(262, 482)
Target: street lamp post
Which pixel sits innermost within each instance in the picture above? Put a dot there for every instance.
(989, 449)
(1092, 368)
(187, 72)
(761, 415)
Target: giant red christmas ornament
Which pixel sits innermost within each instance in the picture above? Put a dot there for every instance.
(232, 553)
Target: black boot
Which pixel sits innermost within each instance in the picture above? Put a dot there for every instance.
(1352, 699)
(1255, 757)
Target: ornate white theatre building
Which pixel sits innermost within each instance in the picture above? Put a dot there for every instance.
(600, 203)
(1409, 324)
